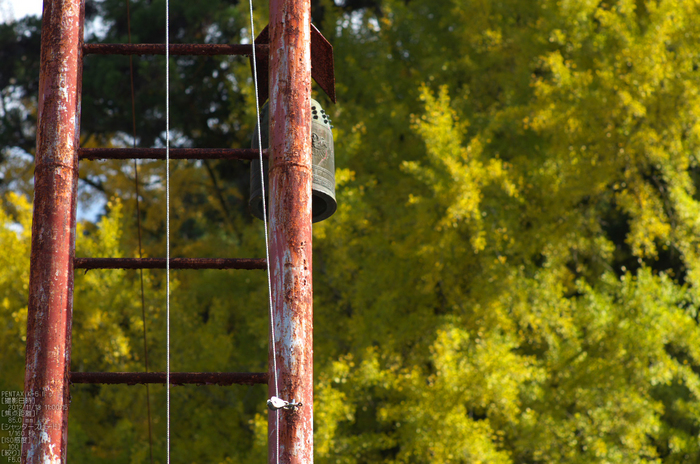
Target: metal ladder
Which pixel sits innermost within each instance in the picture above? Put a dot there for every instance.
(48, 376)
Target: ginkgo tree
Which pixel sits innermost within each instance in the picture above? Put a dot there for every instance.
(512, 273)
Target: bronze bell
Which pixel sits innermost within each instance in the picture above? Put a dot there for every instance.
(323, 186)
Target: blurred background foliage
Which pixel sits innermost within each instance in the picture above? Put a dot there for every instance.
(512, 275)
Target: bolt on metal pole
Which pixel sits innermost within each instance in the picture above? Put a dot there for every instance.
(290, 228)
(45, 422)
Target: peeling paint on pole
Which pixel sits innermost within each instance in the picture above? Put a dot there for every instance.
(53, 235)
(290, 227)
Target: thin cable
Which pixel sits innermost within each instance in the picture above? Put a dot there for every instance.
(267, 242)
(167, 223)
(138, 218)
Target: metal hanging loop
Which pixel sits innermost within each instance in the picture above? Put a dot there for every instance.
(274, 404)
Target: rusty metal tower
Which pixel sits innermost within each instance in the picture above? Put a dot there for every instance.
(48, 376)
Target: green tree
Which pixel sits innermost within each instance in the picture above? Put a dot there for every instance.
(511, 276)
(507, 266)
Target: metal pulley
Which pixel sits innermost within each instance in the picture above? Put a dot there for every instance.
(323, 186)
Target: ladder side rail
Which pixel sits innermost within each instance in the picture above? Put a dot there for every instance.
(50, 305)
(290, 230)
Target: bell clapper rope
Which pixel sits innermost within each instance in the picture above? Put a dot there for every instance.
(275, 403)
(138, 222)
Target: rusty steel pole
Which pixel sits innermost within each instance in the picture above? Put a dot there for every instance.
(45, 423)
(290, 228)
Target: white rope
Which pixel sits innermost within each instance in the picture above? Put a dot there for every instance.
(167, 223)
(267, 244)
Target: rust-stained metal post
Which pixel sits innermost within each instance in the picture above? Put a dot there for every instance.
(290, 228)
(45, 426)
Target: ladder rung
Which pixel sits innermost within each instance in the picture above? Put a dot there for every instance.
(175, 49)
(175, 153)
(176, 378)
(175, 263)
